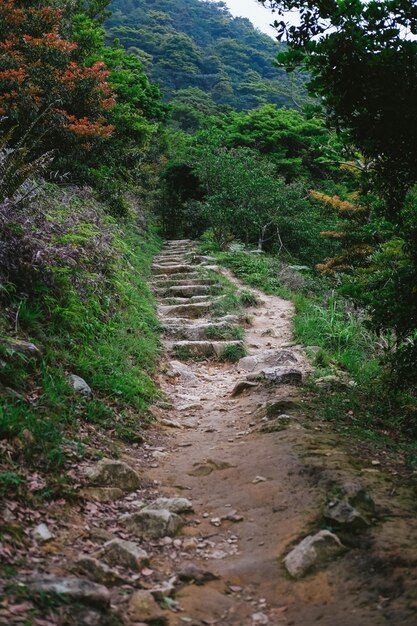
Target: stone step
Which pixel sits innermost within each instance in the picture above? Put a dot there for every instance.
(189, 349)
(176, 277)
(185, 291)
(159, 270)
(200, 330)
(164, 260)
(165, 283)
(192, 300)
(190, 311)
(180, 242)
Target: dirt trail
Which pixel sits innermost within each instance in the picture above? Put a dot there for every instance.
(272, 487)
(261, 475)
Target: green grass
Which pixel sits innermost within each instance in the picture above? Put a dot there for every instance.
(233, 353)
(370, 408)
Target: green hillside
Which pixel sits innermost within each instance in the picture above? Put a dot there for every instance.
(197, 45)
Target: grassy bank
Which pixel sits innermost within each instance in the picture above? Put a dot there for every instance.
(361, 400)
(90, 311)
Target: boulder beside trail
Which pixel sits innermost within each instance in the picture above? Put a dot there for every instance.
(111, 473)
(144, 608)
(313, 552)
(73, 588)
(80, 386)
(123, 553)
(152, 523)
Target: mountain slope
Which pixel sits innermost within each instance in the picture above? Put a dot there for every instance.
(198, 44)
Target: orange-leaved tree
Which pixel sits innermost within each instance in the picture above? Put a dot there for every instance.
(49, 90)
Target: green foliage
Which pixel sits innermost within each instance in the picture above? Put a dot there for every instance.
(362, 57)
(96, 319)
(233, 353)
(198, 47)
(66, 96)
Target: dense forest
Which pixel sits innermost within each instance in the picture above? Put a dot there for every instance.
(294, 163)
(203, 57)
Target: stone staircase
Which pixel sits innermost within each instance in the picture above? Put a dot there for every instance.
(185, 304)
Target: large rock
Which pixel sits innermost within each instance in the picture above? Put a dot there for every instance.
(98, 571)
(153, 523)
(355, 493)
(188, 572)
(180, 370)
(72, 588)
(124, 553)
(143, 608)
(80, 386)
(267, 359)
(111, 473)
(241, 386)
(313, 552)
(278, 375)
(11, 347)
(345, 515)
(174, 505)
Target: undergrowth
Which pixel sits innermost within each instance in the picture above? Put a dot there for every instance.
(365, 404)
(94, 318)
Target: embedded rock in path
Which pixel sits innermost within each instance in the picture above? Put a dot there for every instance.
(80, 386)
(182, 371)
(276, 424)
(241, 386)
(174, 505)
(143, 608)
(188, 572)
(355, 493)
(111, 473)
(267, 359)
(312, 552)
(101, 494)
(274, 408)
(124, 553)
(98, 571)
(278, 375)
(153, 523)
(345, 515)
(72, 588)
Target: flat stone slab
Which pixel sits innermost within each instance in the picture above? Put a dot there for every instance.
(313, 551)
(184, 291)
(198, 331)
(172, 269)
(73, 588)
(190, 311)
(205, 348)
